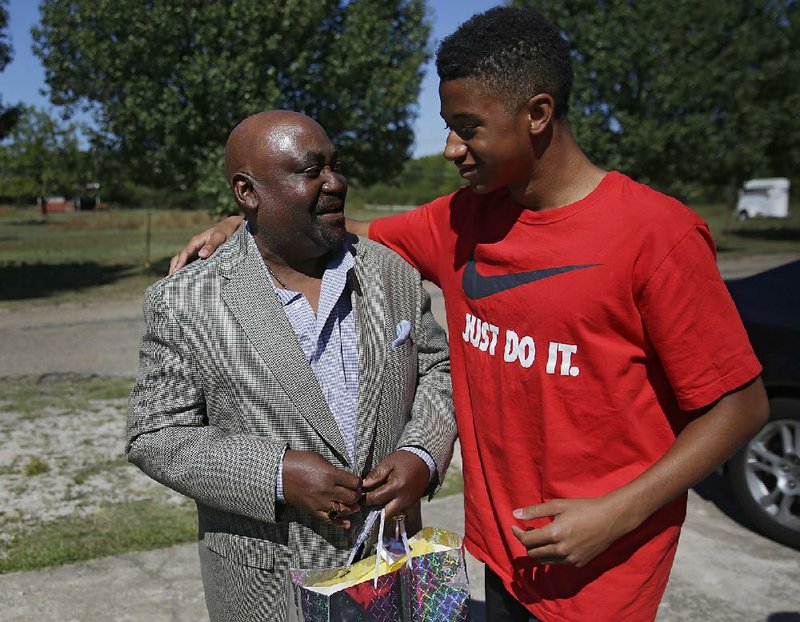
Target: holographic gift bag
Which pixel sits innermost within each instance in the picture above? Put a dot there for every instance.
(418, 579)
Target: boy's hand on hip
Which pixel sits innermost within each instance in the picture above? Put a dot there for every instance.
(581, 529)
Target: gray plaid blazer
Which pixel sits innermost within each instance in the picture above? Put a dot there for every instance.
(224, 387)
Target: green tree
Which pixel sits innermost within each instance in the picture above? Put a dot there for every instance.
(168, 80)
(685, 95)
(421, 180)
(10, 114)
(41, 157)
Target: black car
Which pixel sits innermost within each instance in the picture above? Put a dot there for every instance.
(765, 474)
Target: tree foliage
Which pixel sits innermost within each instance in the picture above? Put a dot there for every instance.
(421, 180)
(8, 115)
(687, 94)
(168, 80)
(41, 157)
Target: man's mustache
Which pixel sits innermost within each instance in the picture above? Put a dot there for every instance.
(331, 203)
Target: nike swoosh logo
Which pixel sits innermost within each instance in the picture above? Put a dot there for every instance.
(478, 286)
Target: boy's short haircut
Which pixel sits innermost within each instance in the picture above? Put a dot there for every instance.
(514, 53)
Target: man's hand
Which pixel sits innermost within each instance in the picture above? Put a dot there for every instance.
(204, 244)
(313, 483)
(398, 482)
(581, 529)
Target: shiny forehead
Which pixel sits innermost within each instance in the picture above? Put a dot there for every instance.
(271, 134)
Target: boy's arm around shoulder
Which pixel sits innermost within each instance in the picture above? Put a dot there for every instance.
(168, 432)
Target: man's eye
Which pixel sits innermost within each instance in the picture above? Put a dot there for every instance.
(312, 172)
(338, 166)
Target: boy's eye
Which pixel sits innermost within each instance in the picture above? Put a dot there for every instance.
(464, 132)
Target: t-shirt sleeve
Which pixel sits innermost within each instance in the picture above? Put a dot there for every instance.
(411, 235)
(694, 325)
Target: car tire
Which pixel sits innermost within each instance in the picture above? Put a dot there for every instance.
(742, 215)
(765, 474)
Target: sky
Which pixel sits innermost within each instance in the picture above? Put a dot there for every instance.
(23, 78)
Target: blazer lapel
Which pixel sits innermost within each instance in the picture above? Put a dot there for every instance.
(259, 312)
(369, 304)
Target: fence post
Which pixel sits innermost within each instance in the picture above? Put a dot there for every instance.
(147, 243)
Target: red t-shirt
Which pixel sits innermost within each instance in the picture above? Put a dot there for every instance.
(580, 338)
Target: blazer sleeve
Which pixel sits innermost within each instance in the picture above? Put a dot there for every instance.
(432, 425)
(169, 436)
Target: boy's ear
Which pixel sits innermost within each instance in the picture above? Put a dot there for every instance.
(244, 191)
(540, 113)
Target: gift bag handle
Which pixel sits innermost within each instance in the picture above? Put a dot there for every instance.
(400, 534)
(362, 536)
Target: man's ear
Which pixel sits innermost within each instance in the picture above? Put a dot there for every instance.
(244, 191)
(540, 113)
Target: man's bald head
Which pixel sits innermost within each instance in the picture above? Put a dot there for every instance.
(285, 174)
(260, 136)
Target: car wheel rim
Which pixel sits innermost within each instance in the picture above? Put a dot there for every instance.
(773, 472)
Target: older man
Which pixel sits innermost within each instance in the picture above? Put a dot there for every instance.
(276, 376)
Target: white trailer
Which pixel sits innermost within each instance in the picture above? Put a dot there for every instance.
(763, 197)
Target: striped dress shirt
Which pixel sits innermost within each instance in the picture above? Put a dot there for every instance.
(328, 340)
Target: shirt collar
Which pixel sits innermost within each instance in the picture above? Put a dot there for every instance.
(335, 280)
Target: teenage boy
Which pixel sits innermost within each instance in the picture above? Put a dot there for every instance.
(599, 366)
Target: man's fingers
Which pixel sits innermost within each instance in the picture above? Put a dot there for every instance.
(352, 483)
(339, 521)
(380, 496)
(528, 513)
(394, 508)
(211, 242)
(195, 248)
(520, 534)
(382, 490)
(178, 262)
(377, 476)
(347, 496)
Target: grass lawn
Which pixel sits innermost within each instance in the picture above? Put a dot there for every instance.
(111, 530)
(758, 235)
(76, 256)
(68, 492)
(82, 256)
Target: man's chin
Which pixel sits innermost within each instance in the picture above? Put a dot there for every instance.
(333, 237)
